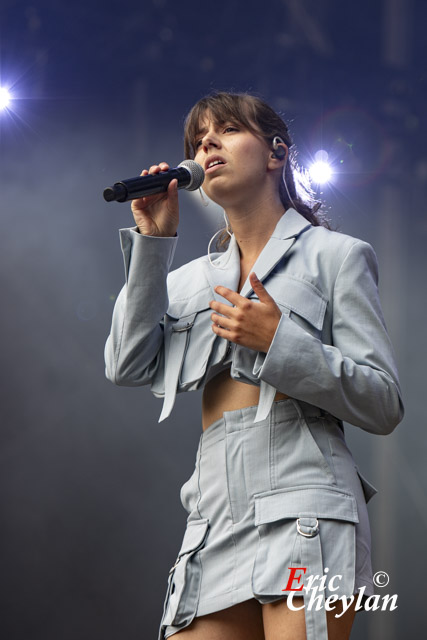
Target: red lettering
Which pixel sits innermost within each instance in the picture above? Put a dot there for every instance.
(292, 578)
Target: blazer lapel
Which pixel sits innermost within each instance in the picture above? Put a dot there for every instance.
(273, 251)
(290, 225)
(227, 266)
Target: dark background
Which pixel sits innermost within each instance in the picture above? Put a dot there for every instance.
(90, 512)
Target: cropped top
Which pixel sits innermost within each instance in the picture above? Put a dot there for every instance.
(330, 349)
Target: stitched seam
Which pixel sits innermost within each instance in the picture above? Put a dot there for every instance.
(189, 297)
(198, 481)
(341, 267)
(228, 484)
(271, 448)
(231, 511)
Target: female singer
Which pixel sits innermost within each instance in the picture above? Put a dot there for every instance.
(283, 329)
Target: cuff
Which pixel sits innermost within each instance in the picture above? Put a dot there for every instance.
(265, 361)
(283, 364)
(144, 255)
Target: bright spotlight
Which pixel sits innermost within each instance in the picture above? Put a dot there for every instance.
(320, 172)
(5, 98)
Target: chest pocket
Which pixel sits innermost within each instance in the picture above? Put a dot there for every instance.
(301, 300)
(191, 338)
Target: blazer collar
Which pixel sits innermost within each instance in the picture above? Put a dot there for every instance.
(226, 271)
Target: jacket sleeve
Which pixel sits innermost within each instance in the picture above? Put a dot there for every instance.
(134, 351)
(355, 378)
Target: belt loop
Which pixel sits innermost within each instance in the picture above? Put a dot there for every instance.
(297, 408)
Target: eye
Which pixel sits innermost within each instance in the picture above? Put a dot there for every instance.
(230, 128)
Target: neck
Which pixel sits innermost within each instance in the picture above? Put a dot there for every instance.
(253, 225)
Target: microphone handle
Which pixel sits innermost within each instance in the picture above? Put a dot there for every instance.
(140, 186)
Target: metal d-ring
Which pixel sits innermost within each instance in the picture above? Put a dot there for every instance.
(308, 535)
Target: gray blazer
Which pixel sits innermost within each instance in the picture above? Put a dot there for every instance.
(330, 349)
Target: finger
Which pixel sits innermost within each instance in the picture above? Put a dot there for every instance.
(221, 307)
(173, 193)
(259, 288)
(144, 172)
(222, 321)
(154, 168)
(164, 166)
(223, 333)
(230, 295)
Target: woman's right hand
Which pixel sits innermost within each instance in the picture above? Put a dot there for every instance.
(157, 215)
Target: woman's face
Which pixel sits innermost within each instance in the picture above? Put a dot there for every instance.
(234, 159)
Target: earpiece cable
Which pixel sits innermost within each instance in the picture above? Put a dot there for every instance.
(227, 228)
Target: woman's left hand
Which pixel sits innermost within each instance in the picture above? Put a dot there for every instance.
(248, 323)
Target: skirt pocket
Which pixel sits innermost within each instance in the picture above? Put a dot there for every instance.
(311, 527)
(184, 578)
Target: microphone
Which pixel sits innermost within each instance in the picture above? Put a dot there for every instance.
(189, 174)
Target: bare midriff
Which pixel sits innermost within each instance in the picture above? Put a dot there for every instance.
(223, 393)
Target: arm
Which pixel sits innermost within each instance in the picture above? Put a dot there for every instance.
(134, 353)
(134, 348)
(356, 378)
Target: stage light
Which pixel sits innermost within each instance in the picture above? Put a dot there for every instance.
(5, 98)
(321, 171)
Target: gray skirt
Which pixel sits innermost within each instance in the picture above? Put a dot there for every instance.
(265, 497)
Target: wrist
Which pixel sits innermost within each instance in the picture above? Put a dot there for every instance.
(156, 235)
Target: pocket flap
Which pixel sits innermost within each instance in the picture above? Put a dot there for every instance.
(192, 303)
(300, 296)
(194, 535)
(313, 501)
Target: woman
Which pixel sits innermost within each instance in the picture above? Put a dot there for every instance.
(285, 333)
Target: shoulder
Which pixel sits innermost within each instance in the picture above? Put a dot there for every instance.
(334, 248)
(323, 256)
(327, 239)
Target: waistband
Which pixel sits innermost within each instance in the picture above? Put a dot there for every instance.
(243, 419)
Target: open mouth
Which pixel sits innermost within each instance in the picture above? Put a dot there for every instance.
(212, 164)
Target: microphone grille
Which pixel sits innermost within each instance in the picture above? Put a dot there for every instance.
(196, 172)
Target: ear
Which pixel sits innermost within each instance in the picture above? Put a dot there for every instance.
(278, 155)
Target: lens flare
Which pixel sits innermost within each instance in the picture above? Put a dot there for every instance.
(321, 156)
(5, 98)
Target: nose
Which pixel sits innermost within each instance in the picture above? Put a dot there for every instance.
(210, 139)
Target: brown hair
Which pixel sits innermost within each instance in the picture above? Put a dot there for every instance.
(257, 116)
